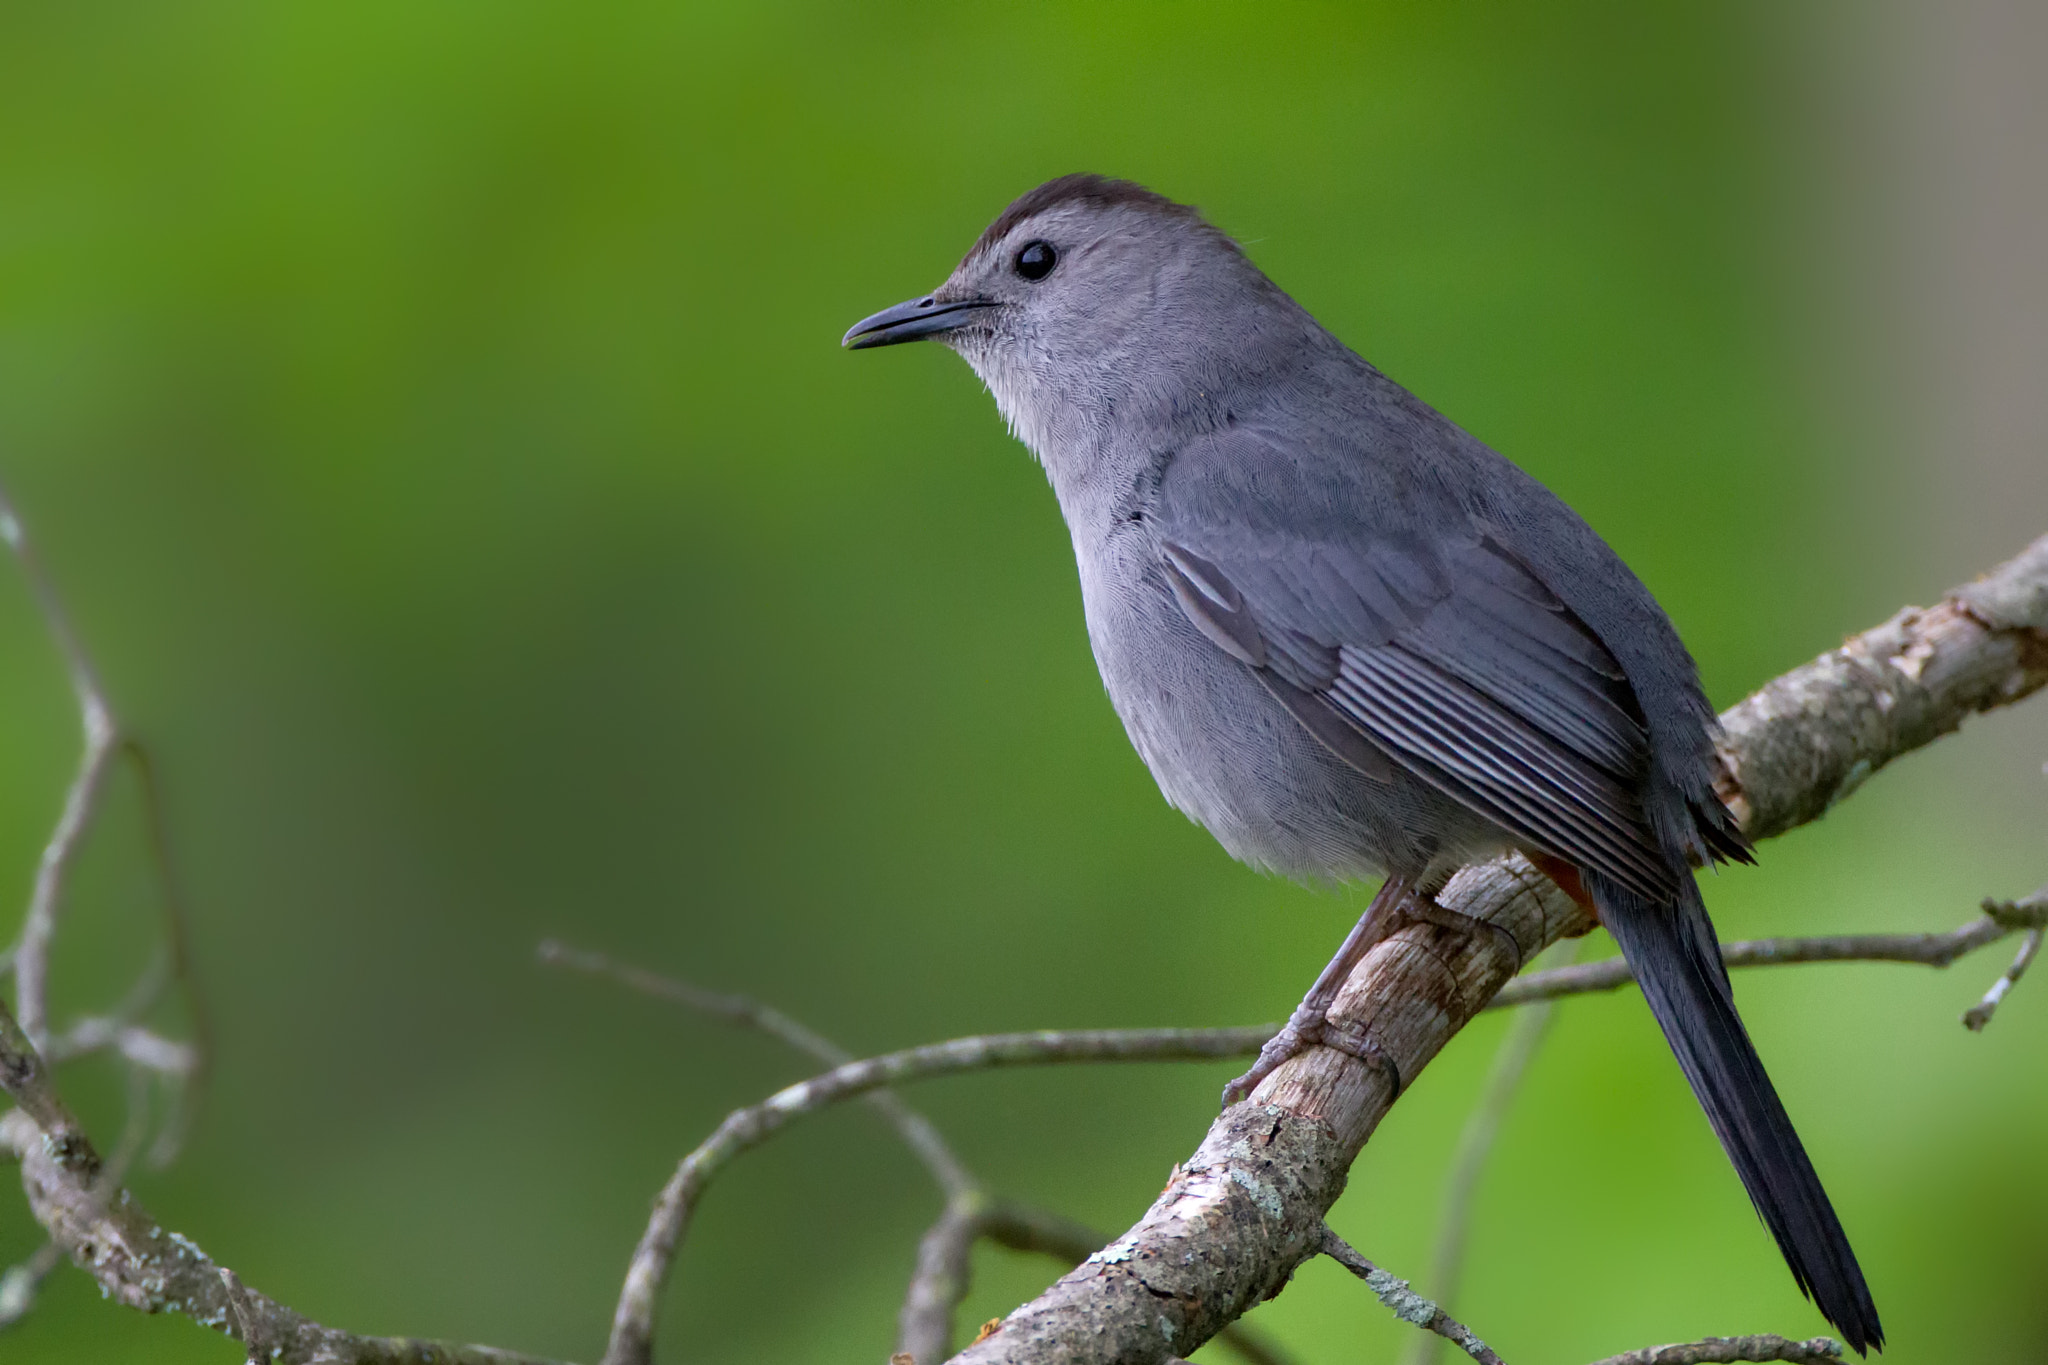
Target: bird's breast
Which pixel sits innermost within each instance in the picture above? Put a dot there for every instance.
(1222, 750)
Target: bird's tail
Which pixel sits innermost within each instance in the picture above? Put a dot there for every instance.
(1677, 960)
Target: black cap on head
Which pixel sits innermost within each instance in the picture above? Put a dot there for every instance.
(1100, 190)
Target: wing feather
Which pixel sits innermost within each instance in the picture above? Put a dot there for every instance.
(1493, 756)
(1461, 667)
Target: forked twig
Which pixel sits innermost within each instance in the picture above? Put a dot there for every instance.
(1405, 1303)
(2031, 911)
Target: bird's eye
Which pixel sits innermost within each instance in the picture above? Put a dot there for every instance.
(1036, 260)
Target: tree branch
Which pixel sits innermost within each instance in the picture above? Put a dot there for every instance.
(1806, 740)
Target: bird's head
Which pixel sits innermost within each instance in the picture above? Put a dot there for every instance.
(1090, 298)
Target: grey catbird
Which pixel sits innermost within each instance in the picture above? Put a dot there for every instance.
(1352, 641)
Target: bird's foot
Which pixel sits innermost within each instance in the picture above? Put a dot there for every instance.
(1310, 1023)
(1303, 1029)
(1311, 1026)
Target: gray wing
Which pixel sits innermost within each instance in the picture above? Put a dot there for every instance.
(1441, 652)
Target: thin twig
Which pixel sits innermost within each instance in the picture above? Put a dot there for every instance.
(134, 1129)
(118, 1033)
(632, 1334)
(1475, 1144)
(96, 721)
(1020, 1227)
(924, 1332)
(103, 740)
(1726, 1350)
(20, 1282)
(944, 1273)
(1979, 1014)
(2000, 920)
(2031, 910)
(190, 1092)
(1405, 1303)
(914, 1128)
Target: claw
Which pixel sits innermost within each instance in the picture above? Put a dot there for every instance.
(1288, 1043)
(1301, 1034)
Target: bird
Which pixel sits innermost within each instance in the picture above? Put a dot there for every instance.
(1352, 641)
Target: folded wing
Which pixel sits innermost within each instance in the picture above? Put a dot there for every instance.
(1443, 654)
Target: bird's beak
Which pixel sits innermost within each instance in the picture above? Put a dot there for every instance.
(912, 321)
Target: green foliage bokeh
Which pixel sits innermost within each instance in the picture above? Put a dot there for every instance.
(433, 415)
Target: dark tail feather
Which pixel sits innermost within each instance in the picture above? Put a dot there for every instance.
(1677, 960)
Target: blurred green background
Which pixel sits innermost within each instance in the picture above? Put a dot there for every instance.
(433, 415)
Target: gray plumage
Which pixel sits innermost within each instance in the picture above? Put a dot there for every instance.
(1348, 638)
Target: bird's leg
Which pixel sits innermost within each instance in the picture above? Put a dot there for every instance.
(1310, 1022)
